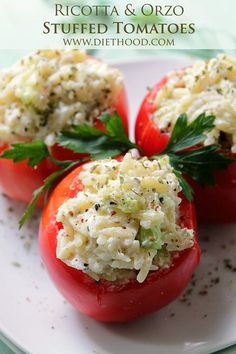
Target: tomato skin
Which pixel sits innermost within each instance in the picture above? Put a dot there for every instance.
(104, 300)
(19, 181)
(147, 135)
(217, 204)
(214, 204)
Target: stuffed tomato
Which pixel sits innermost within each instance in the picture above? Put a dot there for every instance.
(206, 87)
(118, 239)
(43, 94)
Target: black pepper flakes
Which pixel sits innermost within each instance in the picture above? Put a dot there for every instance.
(228, 265)
(203, 292)
(215, 280)
(97, 206)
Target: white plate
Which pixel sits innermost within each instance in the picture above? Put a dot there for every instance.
(35, 317)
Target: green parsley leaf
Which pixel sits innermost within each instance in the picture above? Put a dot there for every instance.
(74, 142)
(186, 188)
(200, 163)
(186, 157)
(33, 152)
(31, 206)
(115, 128)
(47, 185)
(105, 154)
(87, 131)
(86, 139)
(83, 139)
(184, 136)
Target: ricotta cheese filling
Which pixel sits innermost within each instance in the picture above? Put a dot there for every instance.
(51, 90)
(124, 223)
(204, 87)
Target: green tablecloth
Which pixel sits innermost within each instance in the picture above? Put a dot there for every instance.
(6, 347)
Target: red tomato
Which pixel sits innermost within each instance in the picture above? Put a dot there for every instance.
(18, 180)
(147, 135)
(209, 199)
(217, 204)
(105, 300)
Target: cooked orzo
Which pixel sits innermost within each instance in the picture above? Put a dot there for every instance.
(124, 223)
(204, 87)
(51, 90)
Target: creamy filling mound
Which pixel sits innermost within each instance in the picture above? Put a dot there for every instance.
(51, 90)
(124, 224)
(204, 87)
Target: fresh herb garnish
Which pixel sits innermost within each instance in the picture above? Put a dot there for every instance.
(86, 139)
(83, 139)
(186, 188)
(33, 152)
(200, 163)
(187, 157)
(47, 185)
(185, 136)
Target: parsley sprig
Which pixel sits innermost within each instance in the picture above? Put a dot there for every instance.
(83, 139)
(185, 136)
(47, 185)
(186, 153)
(187, 157)
(33, 152)
(86, 139)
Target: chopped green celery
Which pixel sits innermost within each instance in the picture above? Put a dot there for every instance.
(151, 238)
(130, 205)
(123, 202)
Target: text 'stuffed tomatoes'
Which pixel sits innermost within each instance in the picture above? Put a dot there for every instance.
(116, 238)
(206, 87)
(44, 94)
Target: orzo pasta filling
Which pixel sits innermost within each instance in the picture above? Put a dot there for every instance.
(124, 223)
